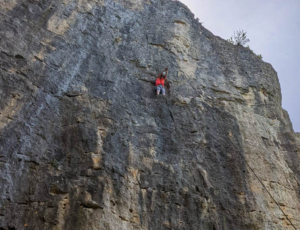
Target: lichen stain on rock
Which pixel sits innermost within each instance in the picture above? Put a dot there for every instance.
(180, 45)
(96, 160)
(8, 5)
(59, 23)
(10, 110)
(133, 4)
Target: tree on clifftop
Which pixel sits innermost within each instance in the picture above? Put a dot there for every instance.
(239, 38)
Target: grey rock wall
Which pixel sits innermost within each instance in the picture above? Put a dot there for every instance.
(85, 143)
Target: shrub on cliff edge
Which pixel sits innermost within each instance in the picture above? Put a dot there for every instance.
(239, 38)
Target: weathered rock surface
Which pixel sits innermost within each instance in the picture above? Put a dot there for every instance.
(85, 144)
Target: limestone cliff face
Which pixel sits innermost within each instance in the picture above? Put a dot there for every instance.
(85, 143)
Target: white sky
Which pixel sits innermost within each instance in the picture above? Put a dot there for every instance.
(273, 27)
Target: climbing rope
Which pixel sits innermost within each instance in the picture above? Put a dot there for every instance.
(258, 179)
(243, 157)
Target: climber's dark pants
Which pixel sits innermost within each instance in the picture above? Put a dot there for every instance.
(160, 89)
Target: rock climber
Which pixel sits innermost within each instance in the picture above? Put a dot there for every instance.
(160, 82)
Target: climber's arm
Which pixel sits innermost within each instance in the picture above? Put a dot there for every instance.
(166, 69)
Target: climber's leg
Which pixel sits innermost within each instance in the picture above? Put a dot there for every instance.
(157, 89)
(163, 91)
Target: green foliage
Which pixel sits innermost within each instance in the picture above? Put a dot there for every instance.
(198, 20)
(248, 47)
(260, 56)
(239, 38)
(230, 40)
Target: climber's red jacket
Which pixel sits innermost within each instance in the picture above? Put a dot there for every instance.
(160, 81)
